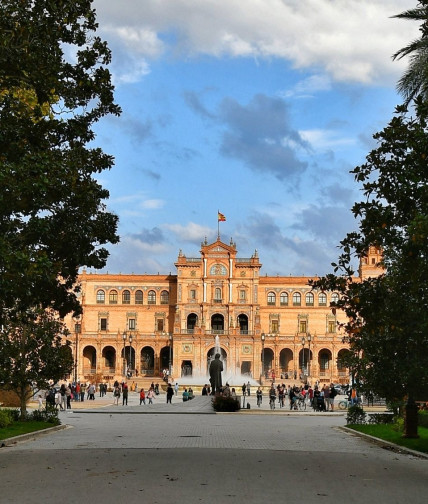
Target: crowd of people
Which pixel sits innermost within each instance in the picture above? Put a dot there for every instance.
(62, 397)
(320, 397)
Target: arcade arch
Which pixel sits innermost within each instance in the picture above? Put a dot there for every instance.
(109, 360)
(147, 359)
(211, 355)
(89, 360)
(243, 323)
(217, 323)
(192, 320)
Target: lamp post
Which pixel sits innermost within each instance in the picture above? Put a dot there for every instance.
(130, 354)
(263, 357)
(303, 356)
(124, 355)
(125, 367)
(309, 356)
(170, 354)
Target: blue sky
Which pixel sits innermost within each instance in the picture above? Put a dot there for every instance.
(256, 108)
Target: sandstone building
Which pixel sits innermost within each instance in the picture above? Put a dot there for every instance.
(263, 325)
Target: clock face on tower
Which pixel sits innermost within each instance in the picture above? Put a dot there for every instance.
(218, 270)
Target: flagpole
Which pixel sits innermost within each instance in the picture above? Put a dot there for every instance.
(218, 226)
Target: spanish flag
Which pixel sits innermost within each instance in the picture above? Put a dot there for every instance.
(220, 217)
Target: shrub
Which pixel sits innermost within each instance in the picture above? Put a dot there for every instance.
(382, 418)
(5, 418)
(398, 424)
(221, 403)
(356, 415)
(50, 415)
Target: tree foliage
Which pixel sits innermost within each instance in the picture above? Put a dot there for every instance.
(54, 86)
(32, 353)
(414, 81)
(388, 315)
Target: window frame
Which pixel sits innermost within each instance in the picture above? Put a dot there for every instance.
(324, 297)
(283, 295)
(309, 295)
(271, 298)
(151, 297)
(126, 297)
(137, 296)
(101, 296)
(297, 296)
(334, 297)
(113, 297)
(164, 297)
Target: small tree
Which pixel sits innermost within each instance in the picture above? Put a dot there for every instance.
(32, 354)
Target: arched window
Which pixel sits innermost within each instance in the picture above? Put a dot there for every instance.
(324, 361)
(297, 299)
(322, 299)
(309, 299)
(218, 270)
(283, 299)
(271, 298)
(139, 297)
(334, 297)
(112, 297)
(126, 297)
(164, 297)
(217, 295)
(151, 297)
(101, 297)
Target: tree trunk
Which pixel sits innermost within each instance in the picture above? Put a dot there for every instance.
(411, 419)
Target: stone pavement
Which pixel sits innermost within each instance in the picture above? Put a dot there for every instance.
(110, 454)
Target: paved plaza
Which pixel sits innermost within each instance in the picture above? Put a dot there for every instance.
(186, 453)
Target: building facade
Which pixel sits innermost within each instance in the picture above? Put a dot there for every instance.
(262, 326)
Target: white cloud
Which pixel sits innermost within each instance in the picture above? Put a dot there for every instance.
(152, 204)
(308, 87)
(142, 40)
(129, 70)
(326, 139)
(192, 232)
(351, 40)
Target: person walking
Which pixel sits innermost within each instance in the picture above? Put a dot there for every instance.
(63, 392)
(272, 397)
(82, 392)
(259, 395)
(68, 396)
(116, 394)
(169, 394)
(176, 388)
(326, 390)
(151, 395)
(142, 397)
(125, 395)
(333, 394)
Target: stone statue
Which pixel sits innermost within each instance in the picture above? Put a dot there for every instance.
(216, 367)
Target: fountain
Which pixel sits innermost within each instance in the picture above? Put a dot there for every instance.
(231, 376)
